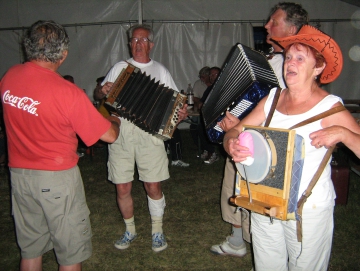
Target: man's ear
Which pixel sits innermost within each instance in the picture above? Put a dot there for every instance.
(65, 54)
(292, 30)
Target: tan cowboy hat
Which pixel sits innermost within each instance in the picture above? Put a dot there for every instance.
(321, 42)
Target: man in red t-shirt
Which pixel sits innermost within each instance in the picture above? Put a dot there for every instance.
(43, 113)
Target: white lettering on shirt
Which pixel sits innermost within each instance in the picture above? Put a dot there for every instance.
(25, 103)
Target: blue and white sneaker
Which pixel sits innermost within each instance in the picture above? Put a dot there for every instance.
(158, 242)
(125, 240)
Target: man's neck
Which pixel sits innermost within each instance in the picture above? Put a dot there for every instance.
(47, 65)
(142, 59)
(277, 49)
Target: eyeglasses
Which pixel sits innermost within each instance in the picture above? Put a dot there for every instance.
(141, 40)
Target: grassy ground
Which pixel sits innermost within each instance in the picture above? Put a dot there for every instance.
(192, 222)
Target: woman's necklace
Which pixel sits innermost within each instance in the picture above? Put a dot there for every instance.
(287, 113)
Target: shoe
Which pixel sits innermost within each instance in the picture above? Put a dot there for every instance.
(158, 242)
(228, 249)
(204, 155)
(213, 158)
(125, 240)
(179, 163)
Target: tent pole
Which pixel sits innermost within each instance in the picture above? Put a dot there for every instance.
(140, 11)
(174, 21)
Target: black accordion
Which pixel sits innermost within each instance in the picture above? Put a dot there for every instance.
(246, 77)
(148, 104)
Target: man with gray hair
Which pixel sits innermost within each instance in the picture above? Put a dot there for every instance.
(137, 146)
(201, 84)
(285, 19)
(43, 113)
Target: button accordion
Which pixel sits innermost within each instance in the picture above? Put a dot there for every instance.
(148, 104)
(246, 77)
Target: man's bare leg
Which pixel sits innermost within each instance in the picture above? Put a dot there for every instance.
(126, 206)
(153, 190)
(34, 264)
(125, 200)
(73, 267)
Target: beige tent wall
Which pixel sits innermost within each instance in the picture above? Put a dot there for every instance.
(189, 33)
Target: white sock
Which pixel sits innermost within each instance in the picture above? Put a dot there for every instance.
(156, 208)
(130, 225)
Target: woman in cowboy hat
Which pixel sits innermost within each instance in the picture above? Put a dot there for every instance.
(312, 58)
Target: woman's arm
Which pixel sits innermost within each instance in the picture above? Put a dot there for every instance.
(339, 127)
(231, 142)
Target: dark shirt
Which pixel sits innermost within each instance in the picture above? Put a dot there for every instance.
(206, 93)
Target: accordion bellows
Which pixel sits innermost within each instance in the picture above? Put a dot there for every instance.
(148, 104)
(246, 77)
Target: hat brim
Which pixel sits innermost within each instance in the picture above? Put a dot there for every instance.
(325, 45)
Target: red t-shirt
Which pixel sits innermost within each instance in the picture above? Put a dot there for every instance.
(43, 113)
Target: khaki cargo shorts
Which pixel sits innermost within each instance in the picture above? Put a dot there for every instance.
(50, 212)
(137, 146)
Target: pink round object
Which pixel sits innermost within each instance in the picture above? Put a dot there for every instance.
(246, 140)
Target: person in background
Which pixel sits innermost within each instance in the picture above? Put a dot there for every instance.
(69, 78)
(42, 114)
(311, 58)
(174, 148)
(199, 88)
(137, 146)
(201, 84)
(99, 95)
(213, 75)
(208, 148)
(99, 100)
(285, 19)
(81, 144)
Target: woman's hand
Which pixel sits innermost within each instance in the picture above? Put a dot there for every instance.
(235, 150)
(327, 137)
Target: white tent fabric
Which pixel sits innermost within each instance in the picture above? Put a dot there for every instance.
(189, 34)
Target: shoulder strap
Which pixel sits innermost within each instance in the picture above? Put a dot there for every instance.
(308, 190)
(319, 171)
(319, 116)
(273, 106)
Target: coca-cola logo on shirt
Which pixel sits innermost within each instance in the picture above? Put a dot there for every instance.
(25, 103)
